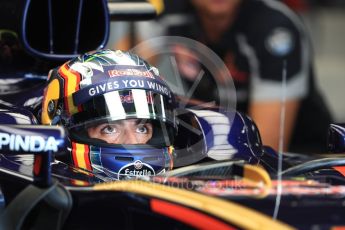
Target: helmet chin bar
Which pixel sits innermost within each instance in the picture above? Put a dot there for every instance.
(130, 161)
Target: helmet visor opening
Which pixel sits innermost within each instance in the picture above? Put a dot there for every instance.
(125, 117)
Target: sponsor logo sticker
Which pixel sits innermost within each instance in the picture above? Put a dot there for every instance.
(27, 143)
(136, 169)
(129, 72)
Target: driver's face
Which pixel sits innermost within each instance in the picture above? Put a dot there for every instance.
(131, 131)
(216, 7)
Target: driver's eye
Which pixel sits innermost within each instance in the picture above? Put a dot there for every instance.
(109, 129)
(141, 129)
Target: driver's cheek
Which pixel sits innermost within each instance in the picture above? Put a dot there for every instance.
(111, 138)
(142, 138)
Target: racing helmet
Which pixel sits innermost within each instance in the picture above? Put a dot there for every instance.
(101, 89)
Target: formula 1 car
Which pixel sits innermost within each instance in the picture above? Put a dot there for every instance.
(228, 181)
(38, 190)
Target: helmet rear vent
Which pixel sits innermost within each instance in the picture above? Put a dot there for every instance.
(124, 158)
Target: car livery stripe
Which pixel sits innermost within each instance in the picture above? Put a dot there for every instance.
(79, 182)
(80, 156)
(337, 228)
(340, 169)
(187, 216)
(37, 165)
(72, 80)
(231, 213)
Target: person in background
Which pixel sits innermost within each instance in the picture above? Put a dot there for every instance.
(259, 41)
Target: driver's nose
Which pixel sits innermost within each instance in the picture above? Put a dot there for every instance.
(130, 138)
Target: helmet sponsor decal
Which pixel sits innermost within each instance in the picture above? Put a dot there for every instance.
(129, 98)
(136, 169)
(135, 72)
(87, 93)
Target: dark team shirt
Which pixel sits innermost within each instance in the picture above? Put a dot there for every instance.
(266, 39)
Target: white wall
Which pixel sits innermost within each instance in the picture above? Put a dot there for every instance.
(327, 29)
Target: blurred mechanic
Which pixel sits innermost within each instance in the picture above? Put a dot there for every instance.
(118, 111)
(259, 41)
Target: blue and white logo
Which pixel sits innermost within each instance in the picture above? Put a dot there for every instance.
(280, 42)
(27, 143)
(136, 169)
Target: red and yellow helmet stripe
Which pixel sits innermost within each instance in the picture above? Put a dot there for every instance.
(72, 79)
(81, 156)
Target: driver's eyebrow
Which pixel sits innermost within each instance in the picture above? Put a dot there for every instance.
(141, 121)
